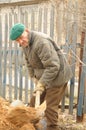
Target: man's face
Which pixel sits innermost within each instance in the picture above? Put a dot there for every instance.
(23, 39)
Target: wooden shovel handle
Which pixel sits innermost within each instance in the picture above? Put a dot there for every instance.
(37, 99)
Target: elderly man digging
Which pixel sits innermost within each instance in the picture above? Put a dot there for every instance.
(48, 65)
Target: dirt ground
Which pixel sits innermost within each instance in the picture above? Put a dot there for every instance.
(26, 118)
(68, 122)
(17, 118)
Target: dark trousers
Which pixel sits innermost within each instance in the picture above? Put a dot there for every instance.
(53, 97)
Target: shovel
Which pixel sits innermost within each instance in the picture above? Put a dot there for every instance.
(37, 99)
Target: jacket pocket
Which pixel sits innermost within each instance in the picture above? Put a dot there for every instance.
(38, 73)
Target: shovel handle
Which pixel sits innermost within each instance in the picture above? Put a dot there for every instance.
(37, 99)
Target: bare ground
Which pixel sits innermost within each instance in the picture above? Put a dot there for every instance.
(68, 122)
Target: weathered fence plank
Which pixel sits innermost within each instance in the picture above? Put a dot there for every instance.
(84, 68)
(26, 85)
(52, 13)
(72, 83)
(81, 99)
(5, 57)
(45, 20)
(0, 56)
(10, 62)
(40, 19)
(32, 19)
(22, 19)
(15, 18)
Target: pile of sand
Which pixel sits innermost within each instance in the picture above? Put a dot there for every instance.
(4, 106)
(6, 125)
(17, 118)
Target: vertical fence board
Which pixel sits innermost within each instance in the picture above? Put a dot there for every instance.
(72, 83)
(15, 63)
(81, 95)
(0, 56)
(82, 85)
(84, 59)
(45, 20)
(26, 85)
(52, 22)
(66, 46)
(10, 62)
(26, 19)
(26, 69)
(40, 19)
(32, 19)
(31, 88)
(21, 77)
(74, 41)
(60, 22)
(21, 64)
(5, 57)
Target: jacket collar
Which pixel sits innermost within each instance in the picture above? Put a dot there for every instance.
(31, 39)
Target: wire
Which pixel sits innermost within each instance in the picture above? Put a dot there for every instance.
(75, 55)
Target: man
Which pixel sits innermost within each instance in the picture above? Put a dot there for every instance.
(48, 65)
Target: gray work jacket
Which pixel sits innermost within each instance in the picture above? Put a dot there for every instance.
(45, 61)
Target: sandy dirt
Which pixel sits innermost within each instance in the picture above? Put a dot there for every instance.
(25, 118)
(17, 118)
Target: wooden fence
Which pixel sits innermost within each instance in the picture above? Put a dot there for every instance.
(14, 79)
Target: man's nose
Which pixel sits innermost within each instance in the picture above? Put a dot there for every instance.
(20, 42)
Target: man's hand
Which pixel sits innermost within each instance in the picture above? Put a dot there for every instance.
(39, 87)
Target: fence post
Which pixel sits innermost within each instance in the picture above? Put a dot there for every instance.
(84, 59)
(81, 84)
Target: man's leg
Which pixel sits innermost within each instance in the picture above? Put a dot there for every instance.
(53, 98)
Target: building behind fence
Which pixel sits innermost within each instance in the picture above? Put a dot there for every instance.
(62, 25)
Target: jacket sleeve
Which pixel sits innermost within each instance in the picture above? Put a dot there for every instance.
(50, 61)
(30, 69)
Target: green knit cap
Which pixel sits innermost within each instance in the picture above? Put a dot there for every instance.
(16, 31)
